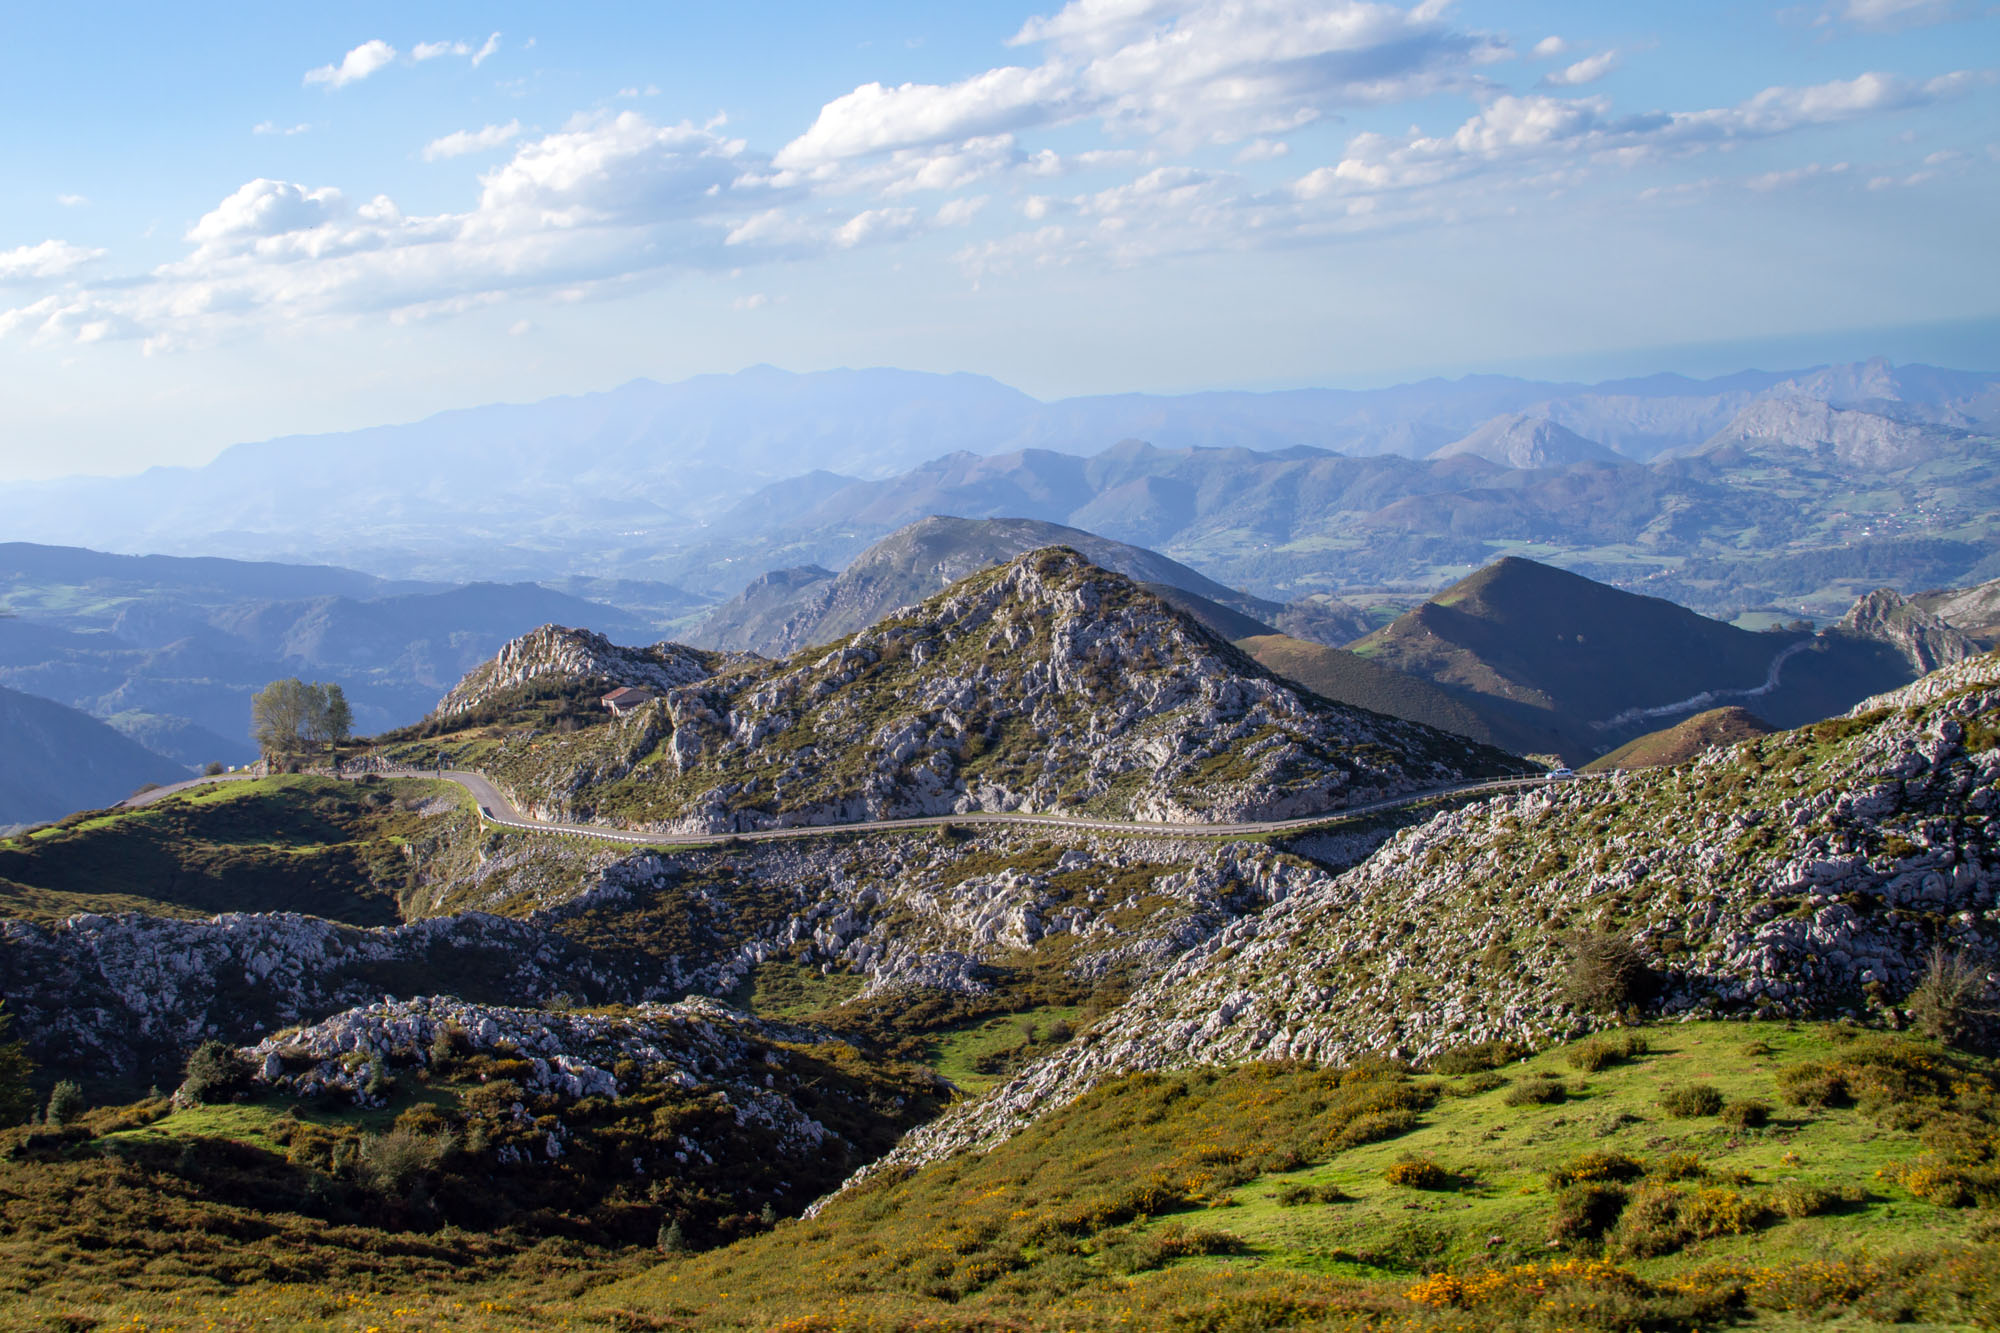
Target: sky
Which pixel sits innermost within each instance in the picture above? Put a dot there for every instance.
(227, 222)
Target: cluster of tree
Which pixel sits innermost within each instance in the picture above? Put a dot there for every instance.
(290, 717)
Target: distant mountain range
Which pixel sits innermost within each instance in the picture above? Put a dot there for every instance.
(58, 760)
(701, 483)
(169, 650)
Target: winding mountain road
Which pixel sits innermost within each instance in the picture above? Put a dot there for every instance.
(496, 809)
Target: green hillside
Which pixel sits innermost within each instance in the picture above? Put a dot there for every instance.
(1350, 678)
(347, 852)
(1680, 743)
(1585, 1187)
(1558, 663)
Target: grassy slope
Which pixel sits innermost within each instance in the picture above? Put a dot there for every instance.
(1683, 741)
(1349, 678)
(1141, 1203)
(298, 844)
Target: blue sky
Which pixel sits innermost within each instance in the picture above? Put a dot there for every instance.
(226, 223)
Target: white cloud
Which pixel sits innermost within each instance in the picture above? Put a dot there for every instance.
(959, 212)
(1514, 129)
(49, 259)
(1196, 71)
(1263, 150)
(1779, 180)
(1588, 70)
(356, 65)
(273, 127)
(754, 301)
(1549, 48)
(423, 51)
(1884, 15)
(72, 200)
(461, 142)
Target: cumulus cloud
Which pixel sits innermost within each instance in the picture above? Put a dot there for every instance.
(1588, 70)
(461, 142)
(72, 200)
(1197, 71)
(49, 259)
(273, 127)
(355, 66)
(1520, 128)
(600, 202)
(1263, 150)
(1549, 48)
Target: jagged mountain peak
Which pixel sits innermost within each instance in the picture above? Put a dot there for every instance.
(558, 653)
(1043, 684)
(1926, 640)
(1852, 436)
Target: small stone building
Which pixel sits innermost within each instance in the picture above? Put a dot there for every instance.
(624, 699)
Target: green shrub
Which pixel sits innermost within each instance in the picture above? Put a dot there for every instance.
(1542, 1090)
(1418, 1173)
(1585, 1211)
(1795, 1198)
(1293, 1196)
(65, 1103)
(216, 1072)
(671, 1239)
(1659, 1219)
(1814, 1084)
(1949, 1002)
(392, 1164)
(1690, 1100)
(1590, 1056)
(1750, 1113)
(1478, 1056)
(1607, 973)
(1373, 1127)
(1679, 1166)
(1632, 1044)
(1595, 1166)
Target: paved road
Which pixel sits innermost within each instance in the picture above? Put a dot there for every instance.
(495, 808)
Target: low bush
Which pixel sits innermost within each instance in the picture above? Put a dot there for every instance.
(1949, 1002)
(1607, 973)
(216, 1072)
(1585, 1211)
(1591, 1056)
(1595, 1166)
(1479, 1056)
(65, 1103)
(1690, 1100)
(1814, 1084)
(1294, 1196)
(1418, 1173)
(1660, 1218)
(1543, 1090)
(1679, 1166)
(1796, 1198)
(1750, 1113)
(1373, 1127)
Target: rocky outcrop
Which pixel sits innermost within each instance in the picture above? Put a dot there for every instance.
(1927, 641)
(1851, 437)
(125, 997)
(1522, 440)
(554, 653)
(1045, 685)
(1804, 874)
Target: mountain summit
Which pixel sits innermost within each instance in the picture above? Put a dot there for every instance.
(1044, 685)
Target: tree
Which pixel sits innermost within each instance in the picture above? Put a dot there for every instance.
(17, 1096)
(289, 717)
(65, 1103)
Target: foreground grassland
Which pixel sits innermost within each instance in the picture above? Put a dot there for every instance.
(1669, 1178)
(341, 850)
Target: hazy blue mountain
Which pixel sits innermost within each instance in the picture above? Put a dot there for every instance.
(59, 760)
(785, 611)
(169, 651)
(624, 484)
(1523, 440)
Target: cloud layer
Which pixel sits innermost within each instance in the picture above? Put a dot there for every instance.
(1118, 132)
